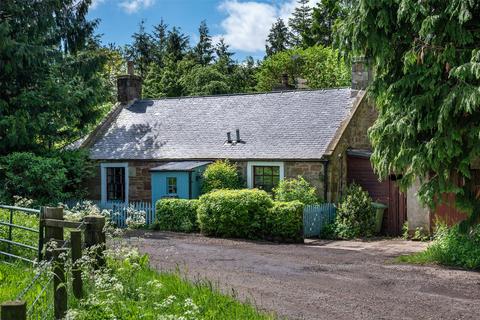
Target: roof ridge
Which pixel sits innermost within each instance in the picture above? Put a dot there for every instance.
(244, 94)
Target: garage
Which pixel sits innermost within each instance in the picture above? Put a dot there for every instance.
(360, 171)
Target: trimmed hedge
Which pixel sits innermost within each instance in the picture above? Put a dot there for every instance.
(234, 213)
(284, 221)
(176, 215)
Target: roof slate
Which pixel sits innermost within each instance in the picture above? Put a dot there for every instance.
(277, 125)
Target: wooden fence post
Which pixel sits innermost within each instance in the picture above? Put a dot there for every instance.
(76, 244)
(14, 310)
(59, 283)
(95, 236)
(53, 233)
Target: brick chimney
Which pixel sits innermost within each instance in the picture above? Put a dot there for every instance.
(361, 73)
(129, 87)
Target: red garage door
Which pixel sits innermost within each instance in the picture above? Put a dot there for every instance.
(360, 171)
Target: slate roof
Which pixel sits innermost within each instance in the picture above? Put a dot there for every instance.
(277, 125)
(180, 166)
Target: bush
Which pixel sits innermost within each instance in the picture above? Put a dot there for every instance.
(220, 175)
(29, 176)
(78, 168)
(284, 221)
(176, 215)
(451, 247)
(355, 214)
(296, 189)
(234, 213)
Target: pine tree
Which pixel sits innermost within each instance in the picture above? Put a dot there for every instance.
(427, 91)
(142, 49)
(203, 51)
(224, 56)
(50, 65)
(324, 16)
(160, 42)
(300, 23)
(177, 44)
(277, 40)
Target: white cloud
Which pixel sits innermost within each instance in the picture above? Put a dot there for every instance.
(132, 6)
(96, 3)
(247, 23)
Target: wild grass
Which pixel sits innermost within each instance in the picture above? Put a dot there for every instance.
(450, 247)
(130, 289)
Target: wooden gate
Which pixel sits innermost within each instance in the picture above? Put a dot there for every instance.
(360, 171)
(316, 217)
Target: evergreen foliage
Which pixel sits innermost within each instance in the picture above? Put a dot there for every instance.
(277, 40)
(203, 51)
(296, 189)
(324, 16)
(140, 51)
(320, 66)
(220, 175)
(426, 55)
(300, 23)
(50, 85)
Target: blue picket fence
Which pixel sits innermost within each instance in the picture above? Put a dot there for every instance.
(119, 211)
(316, 217)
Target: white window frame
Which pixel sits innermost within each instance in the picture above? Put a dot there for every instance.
(103, 174)
(251, 164)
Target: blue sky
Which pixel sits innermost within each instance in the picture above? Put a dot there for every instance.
(243, 24)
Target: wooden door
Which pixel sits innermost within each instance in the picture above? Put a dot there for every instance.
(360, 171)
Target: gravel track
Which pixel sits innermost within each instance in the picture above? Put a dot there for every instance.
(320, 279)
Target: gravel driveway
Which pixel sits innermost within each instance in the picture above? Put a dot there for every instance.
(321, 280)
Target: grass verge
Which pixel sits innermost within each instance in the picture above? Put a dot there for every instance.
(450, 247)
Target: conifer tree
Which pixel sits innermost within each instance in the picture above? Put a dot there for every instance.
(300, 23)
(203, 51)
(426, 56)
(177, 44)
(324, 16)
(160, 42)
(141, 51)
(277, 40)
(224, 56)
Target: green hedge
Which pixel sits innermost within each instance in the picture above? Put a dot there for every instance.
(176, 215)
(234, 213)
(284, 221)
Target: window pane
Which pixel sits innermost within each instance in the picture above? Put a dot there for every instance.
(258, 170)
(172, 185)
(115, 184)
(276, 171)
(267, 171)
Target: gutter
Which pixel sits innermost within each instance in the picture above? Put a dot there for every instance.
(325, 163)
(190, 184)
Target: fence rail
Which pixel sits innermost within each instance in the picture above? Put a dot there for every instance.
(316, 217)
(11, 225)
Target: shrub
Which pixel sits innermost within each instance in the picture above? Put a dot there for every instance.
(234, 213)
(451, 247)
(284, 221)
(177, 215)
(296, 189)
(78, 168)
(355, 214)
(220, 175)
(29, 176)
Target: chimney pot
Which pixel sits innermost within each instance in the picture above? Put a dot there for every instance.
(229, 137)
(129, 87)
(238, 135)
(130, 69)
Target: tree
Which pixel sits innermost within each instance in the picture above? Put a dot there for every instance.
(160, 42)
(318, 65)
(277, 40)
(427, 91)
(177, 44)
(324, 16)
(243, 78)
(203, 51)
(50, 83)
(162, 81)
(142, 49)
(300, 23)
(224, 56)
(204, 80)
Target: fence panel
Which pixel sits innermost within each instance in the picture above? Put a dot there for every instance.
(316, 217)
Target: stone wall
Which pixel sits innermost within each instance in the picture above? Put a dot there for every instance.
(140, 179)
(354, 136)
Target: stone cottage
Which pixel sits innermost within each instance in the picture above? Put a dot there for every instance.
(318, 134)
